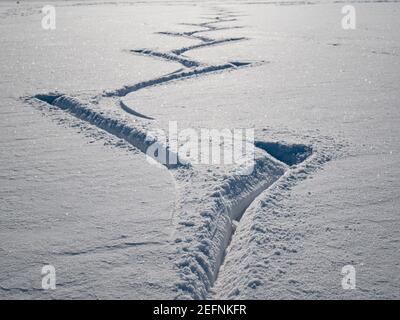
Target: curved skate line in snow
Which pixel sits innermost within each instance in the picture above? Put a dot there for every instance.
(129, 110)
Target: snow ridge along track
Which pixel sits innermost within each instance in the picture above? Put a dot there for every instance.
(211, 202)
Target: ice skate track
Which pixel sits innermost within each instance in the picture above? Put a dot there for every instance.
(129, 110)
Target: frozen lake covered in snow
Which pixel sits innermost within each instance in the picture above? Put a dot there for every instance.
(77, 191)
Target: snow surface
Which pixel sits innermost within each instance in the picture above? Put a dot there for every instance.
(77, 191)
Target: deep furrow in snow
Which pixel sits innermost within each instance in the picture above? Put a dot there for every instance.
(290, 155)
(222, 213)
(308, 162)
(203, 249)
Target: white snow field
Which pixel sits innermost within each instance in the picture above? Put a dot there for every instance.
(77, 191)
